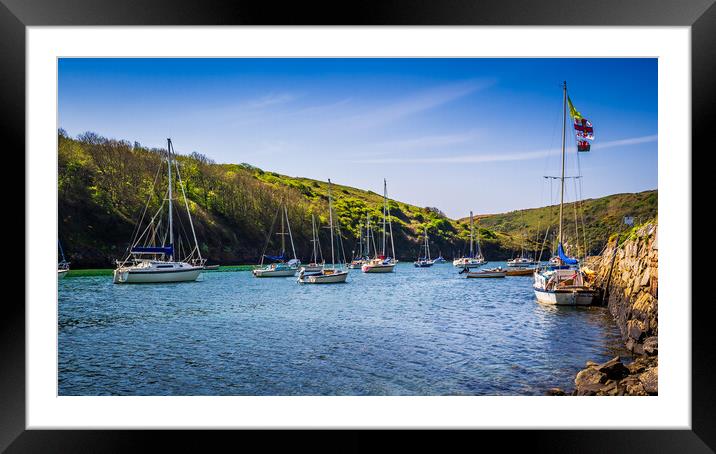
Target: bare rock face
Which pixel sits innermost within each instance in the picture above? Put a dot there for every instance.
(632, 290)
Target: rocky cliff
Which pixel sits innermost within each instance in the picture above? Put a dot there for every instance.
(627, 272)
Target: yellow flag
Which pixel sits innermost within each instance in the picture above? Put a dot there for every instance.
(574, 113)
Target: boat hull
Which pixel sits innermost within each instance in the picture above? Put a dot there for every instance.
(331, 278)
(274, 273)
(467, 264)
(567, 297)
(423, 264)
(62, 273)
(521, 272)
(377, 268)
(134, 276)
(486, 274)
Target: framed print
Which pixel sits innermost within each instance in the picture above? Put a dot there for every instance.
(476, 186)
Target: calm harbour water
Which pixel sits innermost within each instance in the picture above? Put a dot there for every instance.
(417, 331)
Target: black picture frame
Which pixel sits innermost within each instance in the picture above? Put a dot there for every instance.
(16, 15)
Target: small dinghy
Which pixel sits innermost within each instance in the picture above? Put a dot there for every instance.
(486, 273)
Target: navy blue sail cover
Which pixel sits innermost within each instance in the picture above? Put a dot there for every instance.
(166, 250)
(564, 258)
(275, 258)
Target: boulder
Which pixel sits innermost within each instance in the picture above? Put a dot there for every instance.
(589, 376)
(650, 380)
(555, 392)
(590, 389)
(651, 346)
(613, 369)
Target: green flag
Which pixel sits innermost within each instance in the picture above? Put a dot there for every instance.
(574, 113)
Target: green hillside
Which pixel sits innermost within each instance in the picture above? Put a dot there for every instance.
(598, 219)
(103, 185)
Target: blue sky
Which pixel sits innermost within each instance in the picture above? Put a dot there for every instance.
(457, 134)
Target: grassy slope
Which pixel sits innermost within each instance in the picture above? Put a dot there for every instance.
(103, 185)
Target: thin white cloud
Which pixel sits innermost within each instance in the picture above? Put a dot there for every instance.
(618, 143)
(272, 99)
(419, 102)
(502, 157)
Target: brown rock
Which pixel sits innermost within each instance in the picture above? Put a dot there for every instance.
(651, 346)
(555, 392)
(645, 278)
(613, 369)
(591, 389)
(635, 329)
(650, 380)
(589, 376)
(609, 389)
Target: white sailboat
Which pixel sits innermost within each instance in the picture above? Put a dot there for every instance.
(475, 259)
(63, 266)
(328, 274)
(153, 256)
(380, 262)
(523, 260)
(314, 266)
(363, 246)
(280, 267)
(424, 261)
(562, 282)
(440, 258)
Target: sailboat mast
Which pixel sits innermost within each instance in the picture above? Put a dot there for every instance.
(290, 235)
(283, 234)
(368, 235)
(472, 233)
(313, 231)
(330, 221)
(564, 139)
(385, 206)
(171, 222)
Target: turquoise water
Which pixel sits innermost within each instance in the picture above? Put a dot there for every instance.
(418, 331)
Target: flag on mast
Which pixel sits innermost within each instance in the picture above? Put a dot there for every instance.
(583, 129)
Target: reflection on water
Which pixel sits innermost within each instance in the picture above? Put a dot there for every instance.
(418, 331)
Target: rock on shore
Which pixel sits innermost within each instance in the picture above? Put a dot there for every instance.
(614, 378)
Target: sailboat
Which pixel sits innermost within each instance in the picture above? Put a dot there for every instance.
(564, 283)
(328, 274)
(63, 266)
(280, 267)
(475, 259)
(153, 255)
(363, 246)
(440, 258)
(424, 261)
(380, 263)
(523, 260)
(314, 266)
